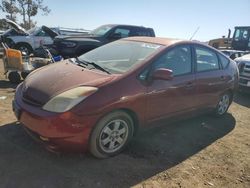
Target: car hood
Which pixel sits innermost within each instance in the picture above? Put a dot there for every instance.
(49, 31)
(43, 84)
(15, 26)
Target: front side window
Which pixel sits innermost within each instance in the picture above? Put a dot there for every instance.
(42, 33)
(120, 56)
(122, 32)
(102, 30)
(177, 59)
(206, 59)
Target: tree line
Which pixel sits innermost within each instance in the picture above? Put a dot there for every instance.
(24, 8)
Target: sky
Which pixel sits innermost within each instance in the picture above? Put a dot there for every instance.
(169, 18)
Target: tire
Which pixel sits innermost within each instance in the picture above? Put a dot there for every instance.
(223, 104)
(14, 77)
(111, 134)
(26, 48)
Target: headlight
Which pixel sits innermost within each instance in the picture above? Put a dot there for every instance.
(69, 44)
(68, 99)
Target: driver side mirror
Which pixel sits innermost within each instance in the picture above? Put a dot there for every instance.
(115, 36)
(162, 74)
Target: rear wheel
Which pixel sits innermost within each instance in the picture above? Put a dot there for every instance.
(14, 77)
(111, 134)
(223, 104)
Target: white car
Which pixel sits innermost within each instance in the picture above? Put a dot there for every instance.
(244, 72)
(26, 41)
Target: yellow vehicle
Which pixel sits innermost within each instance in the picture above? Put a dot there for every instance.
(239, 41)
(17, 65)
(221, 43)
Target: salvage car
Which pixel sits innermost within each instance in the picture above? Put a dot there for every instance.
(25, 40)
(29, 40)
(97, 101)
(73, 46)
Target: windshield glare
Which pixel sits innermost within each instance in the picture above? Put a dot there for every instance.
(100, 31)
(120, 56)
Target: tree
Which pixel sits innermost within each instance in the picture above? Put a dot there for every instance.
(30, 8)
(9, 6)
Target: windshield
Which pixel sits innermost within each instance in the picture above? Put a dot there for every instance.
(100, 31)
(120, 56)
(241, 34)
(33, 30)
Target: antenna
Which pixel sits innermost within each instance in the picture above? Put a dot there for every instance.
(194, 33)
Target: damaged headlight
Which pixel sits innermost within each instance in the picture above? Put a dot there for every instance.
(68, 99)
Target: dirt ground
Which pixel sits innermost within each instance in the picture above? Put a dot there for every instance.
(198, 152)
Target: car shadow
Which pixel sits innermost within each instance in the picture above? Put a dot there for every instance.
(4, 84)
(242, 99)
(24, 163)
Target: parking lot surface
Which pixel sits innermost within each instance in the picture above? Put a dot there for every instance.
(198, 152)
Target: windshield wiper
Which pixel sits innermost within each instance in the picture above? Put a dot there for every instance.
(98, 67)
(78, 62)
(84, 64)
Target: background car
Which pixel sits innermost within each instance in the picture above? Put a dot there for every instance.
(73, 46)
(97, 101)
(234, 53)
(29, 40)
(244, 72)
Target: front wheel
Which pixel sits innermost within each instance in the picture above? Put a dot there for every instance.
(24, 48)
(111, 134)
(14, 77)
(223, 104)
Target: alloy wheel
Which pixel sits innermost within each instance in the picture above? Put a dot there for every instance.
(113, 135)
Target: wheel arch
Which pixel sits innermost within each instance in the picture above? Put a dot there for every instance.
(24, 43)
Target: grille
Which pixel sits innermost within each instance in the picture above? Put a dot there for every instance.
(31, 101)
(243, 81)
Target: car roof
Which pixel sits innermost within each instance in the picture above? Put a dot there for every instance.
(159, 40)
(125, 25)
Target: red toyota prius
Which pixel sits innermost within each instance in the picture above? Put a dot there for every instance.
(97, 101)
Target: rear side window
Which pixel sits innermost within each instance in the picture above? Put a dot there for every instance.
(140, 32)
(206, 60)
(177, 59)
(224, 61)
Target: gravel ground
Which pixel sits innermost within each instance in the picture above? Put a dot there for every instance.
(199, 152)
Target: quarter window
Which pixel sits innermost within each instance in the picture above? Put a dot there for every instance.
(178, 60)
(224, 61)
(206, 60)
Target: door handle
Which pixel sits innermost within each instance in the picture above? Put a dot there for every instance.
(189, 85)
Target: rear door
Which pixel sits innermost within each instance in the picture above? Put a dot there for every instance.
(210, 77)
(168, 97)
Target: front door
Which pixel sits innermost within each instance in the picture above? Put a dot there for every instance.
(168, 97)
